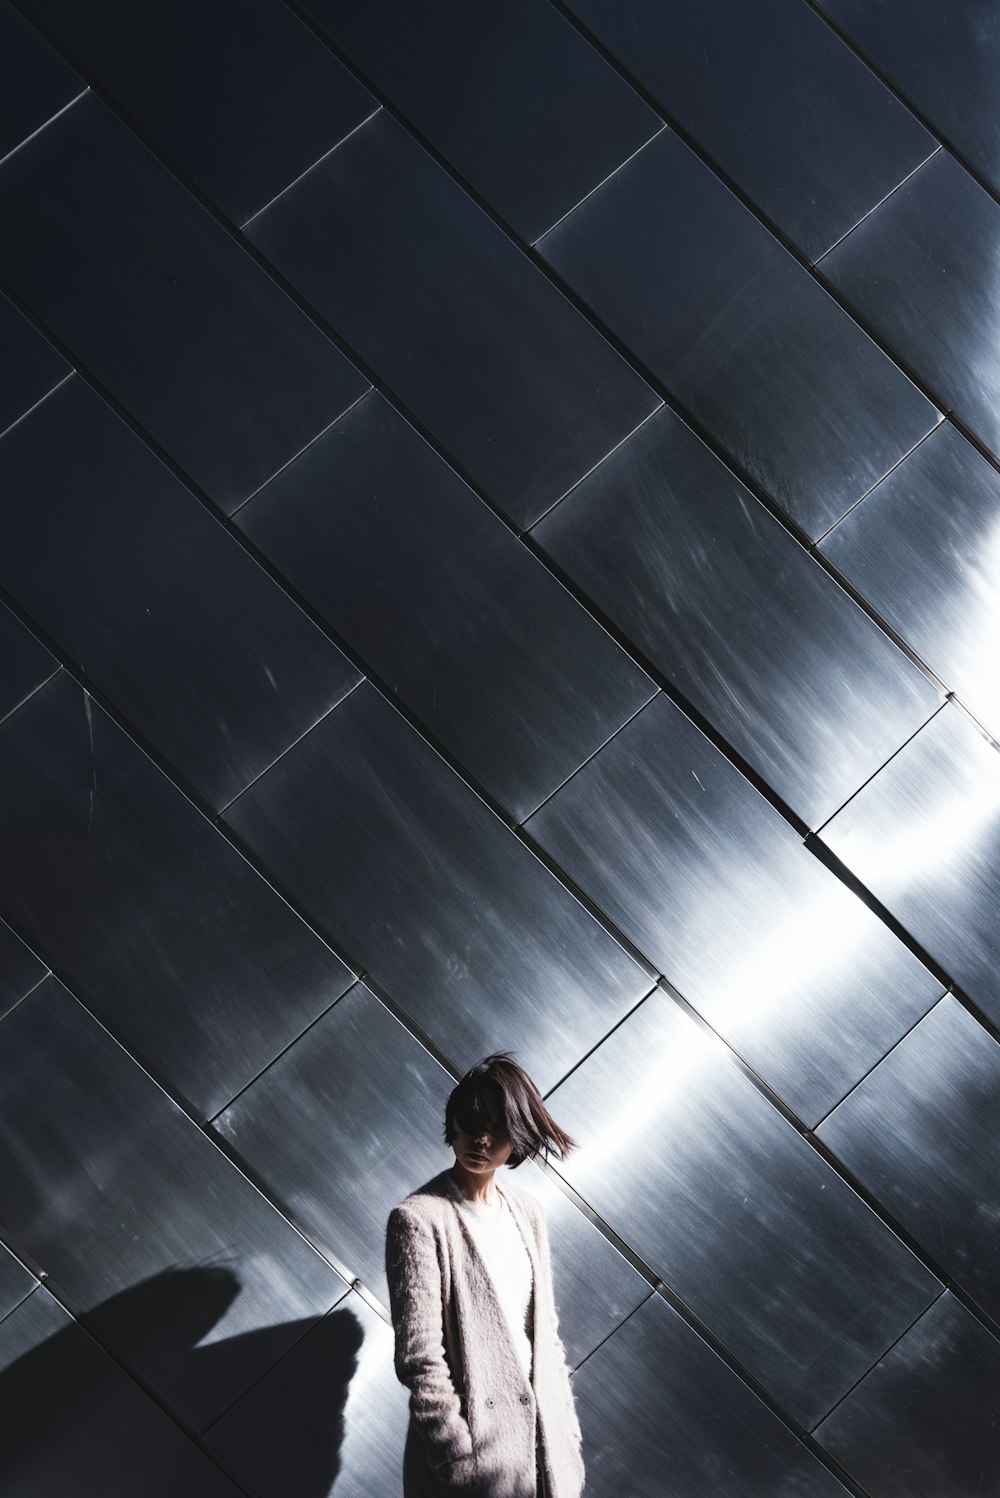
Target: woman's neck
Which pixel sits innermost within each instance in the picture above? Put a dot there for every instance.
(480, 1188)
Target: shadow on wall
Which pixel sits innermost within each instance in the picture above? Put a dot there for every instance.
(71, 1421)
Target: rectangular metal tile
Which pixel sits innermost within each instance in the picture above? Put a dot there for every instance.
(15, 1283)
(657, 1405)
(454, 317)
(445, 605)
(711, 884)
(161, 304)
(732, 324)
(20, 969)
(922, 271)
(29, 366)
(815, 139)
(924, 549)
(545, 120)
(735, 1211)
(922, 1424)
(240, 93)
(738, 616)
(124, 886)
(35, 83)
(920, 1133)
(140, 584)
(24, 662)
(175, 1262)
(923, 836)
(412, 874)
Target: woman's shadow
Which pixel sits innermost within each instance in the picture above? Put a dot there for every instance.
(73, 1422)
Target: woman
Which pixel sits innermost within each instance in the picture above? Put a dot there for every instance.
(470, 1290)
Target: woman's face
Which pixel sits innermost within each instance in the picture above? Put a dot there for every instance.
(481, 1144)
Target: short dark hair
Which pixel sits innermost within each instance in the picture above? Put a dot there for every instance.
(530, 1126)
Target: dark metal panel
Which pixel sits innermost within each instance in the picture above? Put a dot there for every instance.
(71, 1422)
(442, 601)
(164, 306)
(924, 837)
(24, 662)
(658, 1406)
(738, 616)
(239, 92)
(920, 1133)
(816, 140)
(15, 1284)
(167, 613)
(729, 320)
(20, 969)
(924, 549)
(29, 366)
(735, 1211)
(922, 1424)
(507, 90)
(121, 883)
(945, 56)
(329, 1418)
(35, 83)
(922, 270)
(179, 1266)
(465, 329)
(423, 885)
(805, 983)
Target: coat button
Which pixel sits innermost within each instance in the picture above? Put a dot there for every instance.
(525, 1398)
(489, 1404)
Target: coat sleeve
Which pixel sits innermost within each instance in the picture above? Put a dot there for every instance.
(549, 1304)
(414, 1276)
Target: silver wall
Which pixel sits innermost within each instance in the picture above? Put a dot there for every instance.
(500, 548)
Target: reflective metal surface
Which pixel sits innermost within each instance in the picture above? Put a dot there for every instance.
(467, 331)
(71, 1421)
(725, 316)
(546, 120)
(658, 1405)
(923, 836)
(924, 549)
(35, 83)
(437, 596)
(933, 246)
(157, 300)
(330, 1417)
(920, 1133)
(120, 882)
(734, 1210)
(20, 969)
(922, 1424)
(176, 1262)
(711, 884)
(400, 862)
(944, 55)
(29, 367)
(168, 615)
(262, 97)
(738, 616)
(15, 1284)
(24, 662)
(816, 140)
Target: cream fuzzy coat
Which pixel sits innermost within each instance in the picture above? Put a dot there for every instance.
(472, 1411)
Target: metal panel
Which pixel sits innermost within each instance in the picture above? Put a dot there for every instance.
(162, 926)
(920, 1133)
(29, 366)
(924, 837)
(922, 1424)
(816, 139)
(924, 549)
(72, 1422)
(728, 319)
(163, 306)
(20, 969)
(735, 1211)
(426, 888)
(35, 83)
(141, 585)
(476, 636)
(15, 1284)
(712, 884)
(24, 662)
(466, 330)
(658, 1406)
(738, 616)
(945, 56)
(545, 119)
(922, 270)
(329, 1418)
(239, 92)
(181, 1268)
